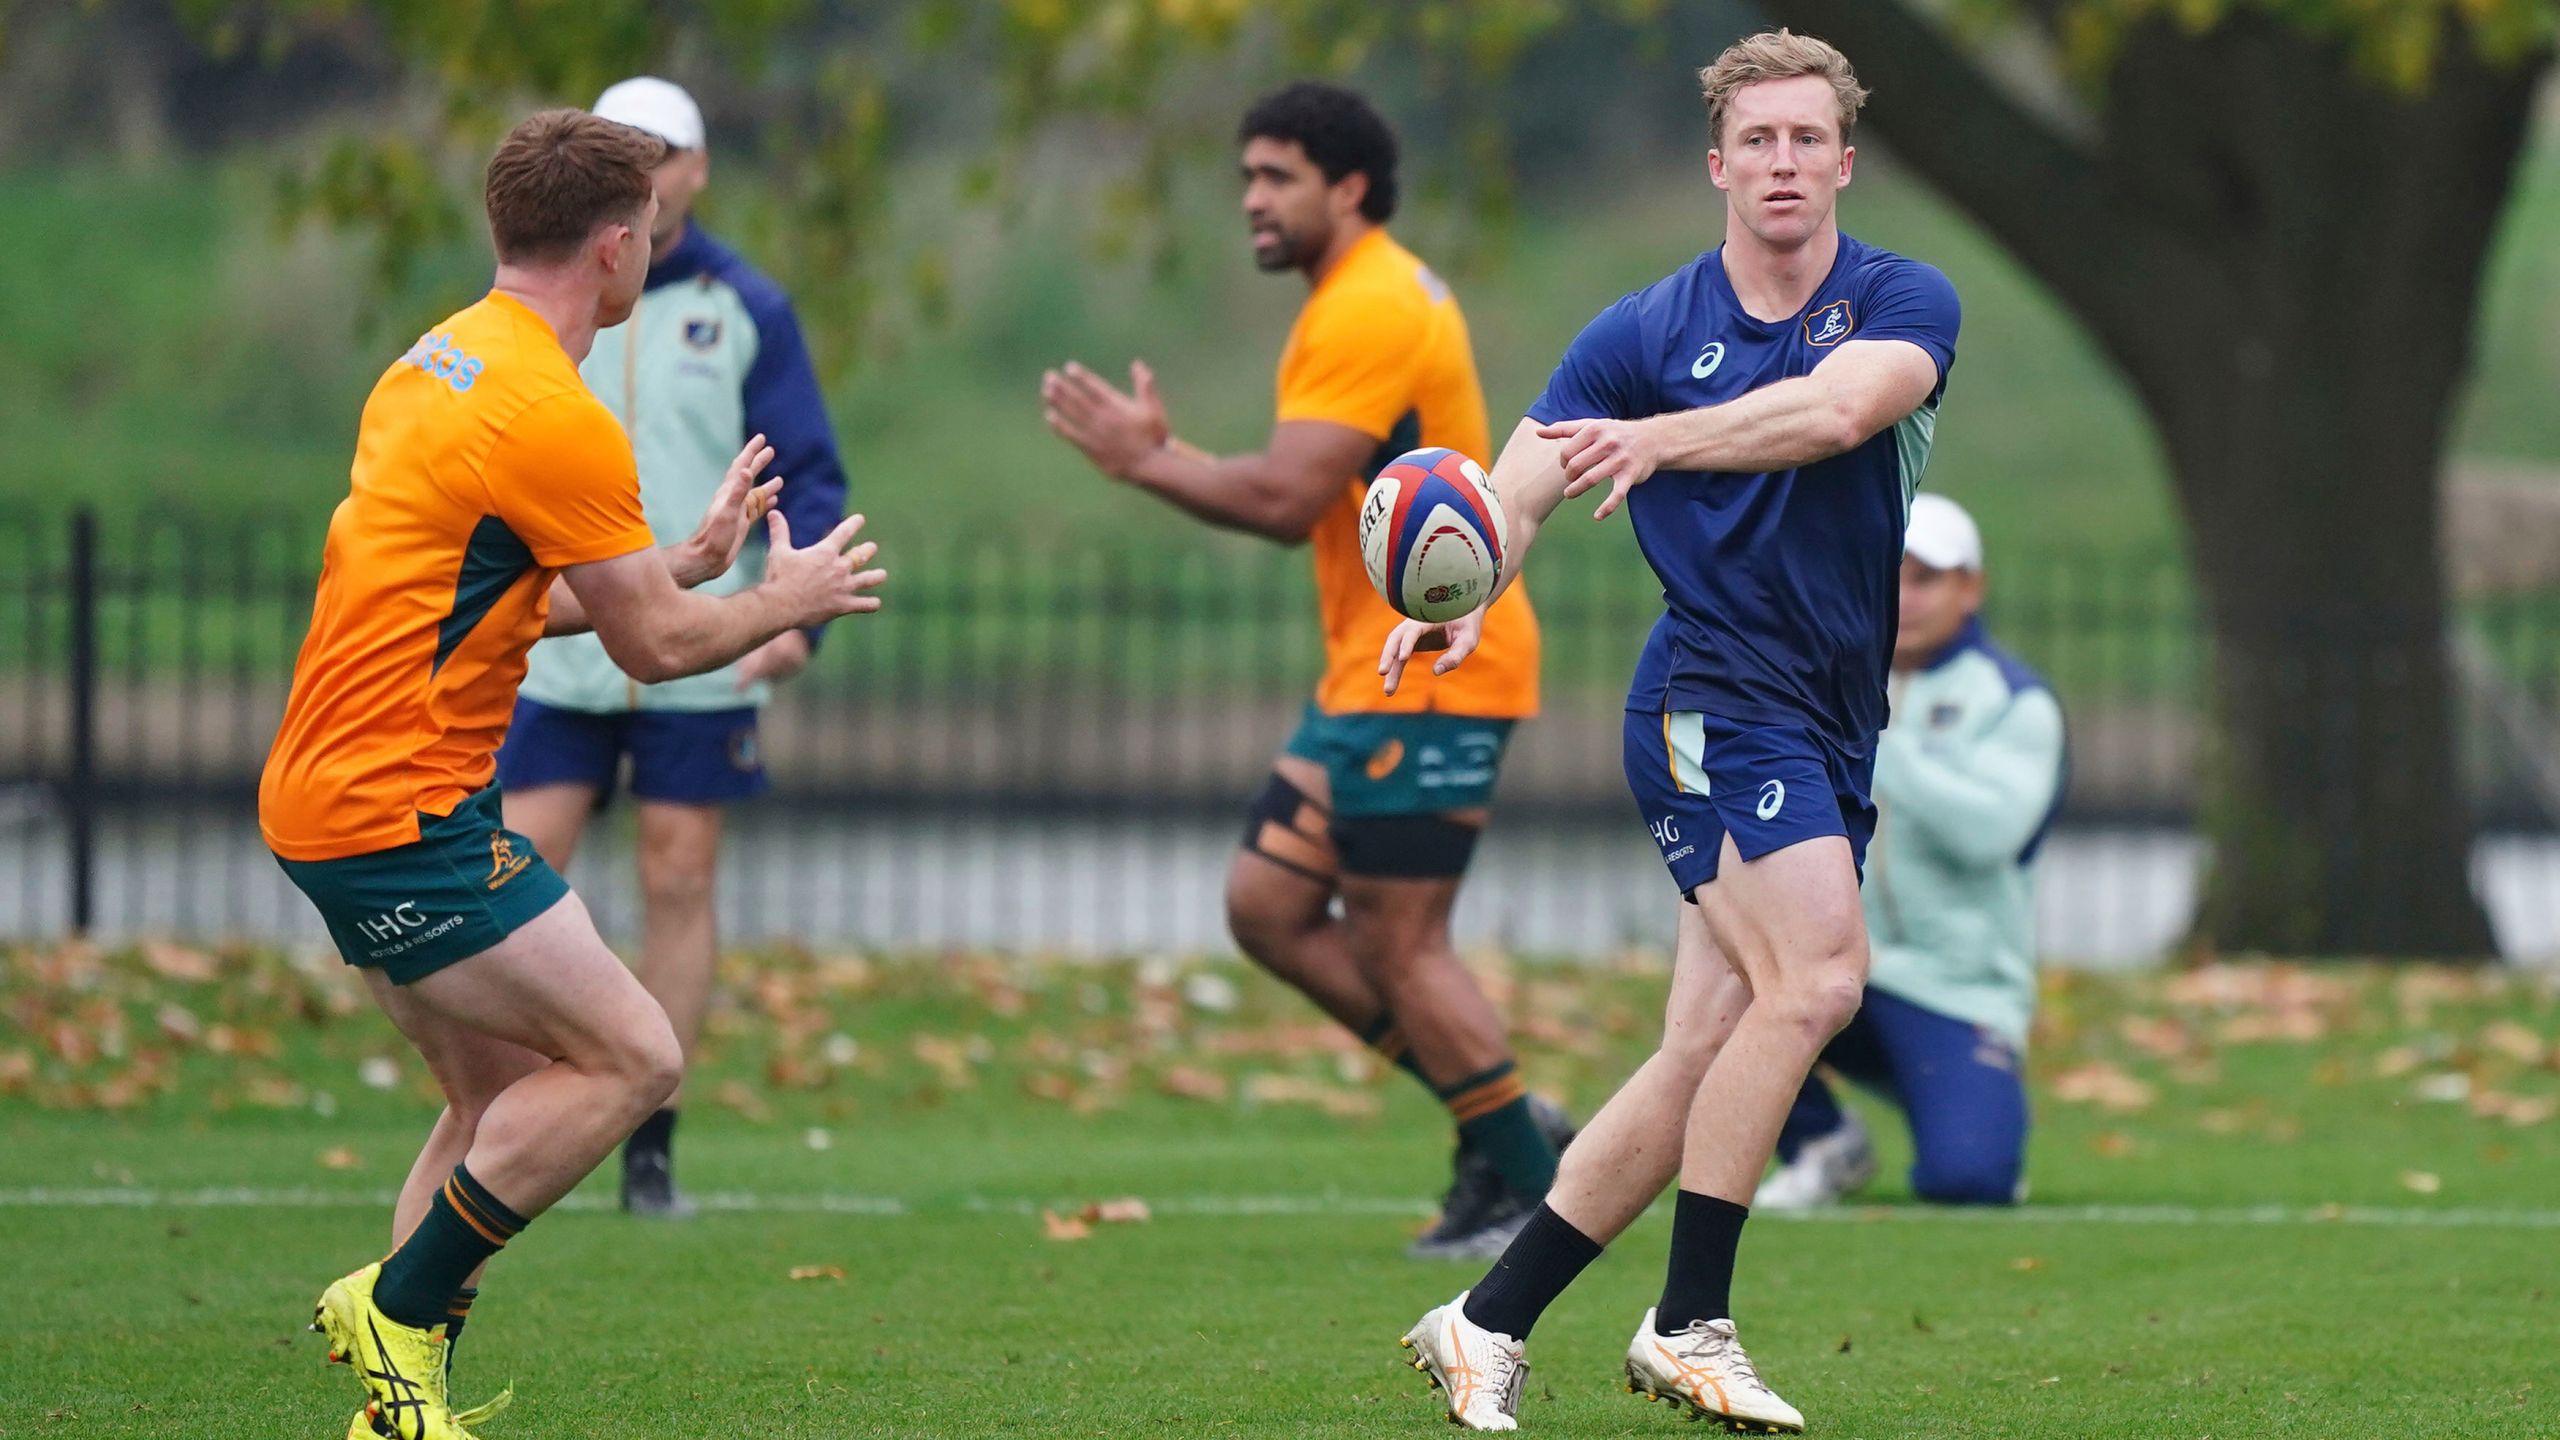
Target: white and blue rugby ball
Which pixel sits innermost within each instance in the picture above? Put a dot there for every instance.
(1431, 533)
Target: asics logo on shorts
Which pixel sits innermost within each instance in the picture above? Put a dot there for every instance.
(1773, 798)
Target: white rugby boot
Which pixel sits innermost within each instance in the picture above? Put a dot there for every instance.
(1825, 1171)
(1478, 1372)
(1704, 1370)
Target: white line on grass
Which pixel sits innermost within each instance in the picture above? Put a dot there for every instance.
(133, 1197)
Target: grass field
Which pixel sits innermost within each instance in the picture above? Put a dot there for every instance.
(2249, 1217)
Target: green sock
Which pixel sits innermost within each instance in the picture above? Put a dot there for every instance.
(1492, 1111)
(456, 1313)
(1382, 1036)
(465, 1225)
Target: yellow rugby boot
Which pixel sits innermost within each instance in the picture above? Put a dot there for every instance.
(402, 1366)
(487, 1410)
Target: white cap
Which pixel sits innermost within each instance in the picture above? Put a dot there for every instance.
(658, 106)
(1941, 535)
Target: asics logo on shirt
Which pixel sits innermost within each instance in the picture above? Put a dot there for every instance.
(1707, 361)
(1773, 798)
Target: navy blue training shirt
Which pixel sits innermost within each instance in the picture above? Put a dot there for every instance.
(1780, 590)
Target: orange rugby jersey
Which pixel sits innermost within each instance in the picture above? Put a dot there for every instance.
(483, 466)
(1381, 347)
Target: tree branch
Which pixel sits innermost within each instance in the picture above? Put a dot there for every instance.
(2034, 188)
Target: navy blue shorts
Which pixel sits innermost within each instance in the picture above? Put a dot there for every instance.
(1698, 777)
(700, 757)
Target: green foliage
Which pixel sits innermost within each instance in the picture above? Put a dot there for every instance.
(2395, 42)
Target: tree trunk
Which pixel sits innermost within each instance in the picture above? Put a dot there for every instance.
(2304, 385)
(2283, 255)
(2336, 810)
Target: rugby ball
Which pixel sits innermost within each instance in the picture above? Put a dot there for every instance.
(1431, 533)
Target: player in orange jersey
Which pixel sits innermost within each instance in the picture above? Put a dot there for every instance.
(494, 500)
(1377, 801)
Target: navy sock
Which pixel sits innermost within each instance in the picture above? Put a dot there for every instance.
(1542, 1260)
(1705, 1231)
(465, 1225)
(656, 1138)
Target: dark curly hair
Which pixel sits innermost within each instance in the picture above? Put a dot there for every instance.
(1340, 131)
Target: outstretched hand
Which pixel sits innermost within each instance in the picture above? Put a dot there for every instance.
(1619, 452)
(822, 580)
(1455, 639)
(735, 507)
(1114, 430)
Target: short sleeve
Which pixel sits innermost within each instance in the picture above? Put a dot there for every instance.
(1601, 374)
(1353, 360)
(562, 477)
(1914, 302)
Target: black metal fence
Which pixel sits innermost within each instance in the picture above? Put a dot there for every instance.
(1043, 746)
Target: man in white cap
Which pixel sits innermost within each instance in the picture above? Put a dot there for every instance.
(1969, 773)
(711, 356)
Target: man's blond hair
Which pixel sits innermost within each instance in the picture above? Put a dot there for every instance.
(1778, 55)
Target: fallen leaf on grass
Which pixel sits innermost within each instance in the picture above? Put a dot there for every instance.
(817, 1272)
(2514, 1109)
(1064, 1227)
(2027, 1262)
(339, 1157)
(2445, 1087)
(2292, 1026)
(734, 1095)
(2101, 1084)
(2424, 1182)
(2510, 1038)
(2114, 1145)
(2164, 1036)
(1269, 1089)
(2397, 1061)
(1129, 1210)
(1215, 994)
(1192, 1082)
(180, 1024)
(177, 962)
(949, 1058)
(1049, 1085)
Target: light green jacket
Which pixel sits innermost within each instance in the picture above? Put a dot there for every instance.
(711, 355)
(1969, 772)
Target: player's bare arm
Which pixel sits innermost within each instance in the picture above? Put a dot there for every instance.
(1863, 387)
(1277, 493)
(709, 551)
(1528, 477)
(658, 631)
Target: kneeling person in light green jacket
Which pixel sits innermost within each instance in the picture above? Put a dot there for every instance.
(1969, 773)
